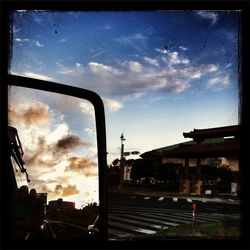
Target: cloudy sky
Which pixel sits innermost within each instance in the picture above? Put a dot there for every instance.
(159, 73)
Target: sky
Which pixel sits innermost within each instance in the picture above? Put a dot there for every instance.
(159, 73)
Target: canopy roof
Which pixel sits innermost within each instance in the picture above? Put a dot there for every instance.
(201, 134)
(211, 143)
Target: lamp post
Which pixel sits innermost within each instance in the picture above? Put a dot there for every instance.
(122, 160)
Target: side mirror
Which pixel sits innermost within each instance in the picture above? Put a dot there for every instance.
(57, 140)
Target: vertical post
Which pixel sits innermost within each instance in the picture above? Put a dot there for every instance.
(122, 160)
(193, 215)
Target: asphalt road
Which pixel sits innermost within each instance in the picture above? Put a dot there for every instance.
(133, 215)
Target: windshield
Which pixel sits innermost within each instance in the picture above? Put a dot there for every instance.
(160, 74)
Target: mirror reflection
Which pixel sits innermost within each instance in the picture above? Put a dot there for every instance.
(53, 151)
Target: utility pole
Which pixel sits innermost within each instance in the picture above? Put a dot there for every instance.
(122, 160)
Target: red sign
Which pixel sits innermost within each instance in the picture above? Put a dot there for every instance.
(194, 206)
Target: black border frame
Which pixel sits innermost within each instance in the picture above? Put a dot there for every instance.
(244, 5)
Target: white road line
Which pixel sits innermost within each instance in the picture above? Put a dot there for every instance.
(160, 220)
(147, 198)
(217, 199)
(161, 198)
(114, 232)
(167, 218)
(145, 231)
(130, 228)
(175, 199)
(143, 209)
(134, 221)
(189, 200)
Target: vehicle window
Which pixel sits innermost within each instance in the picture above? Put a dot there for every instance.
(170, 85)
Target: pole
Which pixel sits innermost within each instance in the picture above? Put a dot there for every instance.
(122, 160)
(193, 221)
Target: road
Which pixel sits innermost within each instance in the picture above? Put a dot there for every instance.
(140, 215)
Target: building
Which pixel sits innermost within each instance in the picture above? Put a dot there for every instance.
(61, 205)
(215, 146)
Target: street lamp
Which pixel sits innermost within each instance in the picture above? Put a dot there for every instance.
(122, 160)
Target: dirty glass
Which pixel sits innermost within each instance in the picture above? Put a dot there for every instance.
(160, 74)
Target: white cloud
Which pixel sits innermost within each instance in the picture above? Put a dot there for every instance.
(219, 82)
(162, 51)
(183, 48)
(21, 40)
(90, 131)
(38, 44)
(99, 68)
(37, 76)
(112, 105)
(136, 41)
(76, 70)
(151, 61)
(135, 66)
(212, 68)
(124, 79)
(212, 16)
(63, 40)
(175, 59)
(87, 108)
(15, 30)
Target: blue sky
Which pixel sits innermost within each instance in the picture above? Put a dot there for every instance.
(160, 73)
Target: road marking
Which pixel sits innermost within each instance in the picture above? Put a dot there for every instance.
(134, 221)
(217, 199)
(147, 198)
(204, 200)
(175, 199)
(189, 200)
(161, 198)
(131, 228)
(114, 233)
(126, 222)
(145, 231)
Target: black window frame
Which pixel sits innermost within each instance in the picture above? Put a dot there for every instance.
(8, 6)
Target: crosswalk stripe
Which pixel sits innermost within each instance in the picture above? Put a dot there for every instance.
(128, 227)
(115, 232)
(161, 198)
(134, 221)
(147, 198)
(143, 209)
(151, 220)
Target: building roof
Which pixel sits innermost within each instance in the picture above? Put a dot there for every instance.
(211, 143)
(228, 148)
(160, 151)
(201, 134)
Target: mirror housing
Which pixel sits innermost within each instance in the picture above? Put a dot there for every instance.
(97, 103)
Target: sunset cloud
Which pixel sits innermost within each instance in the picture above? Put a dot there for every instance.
(65, 190)
(82, 165)
(68, 143)
(30, 113)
